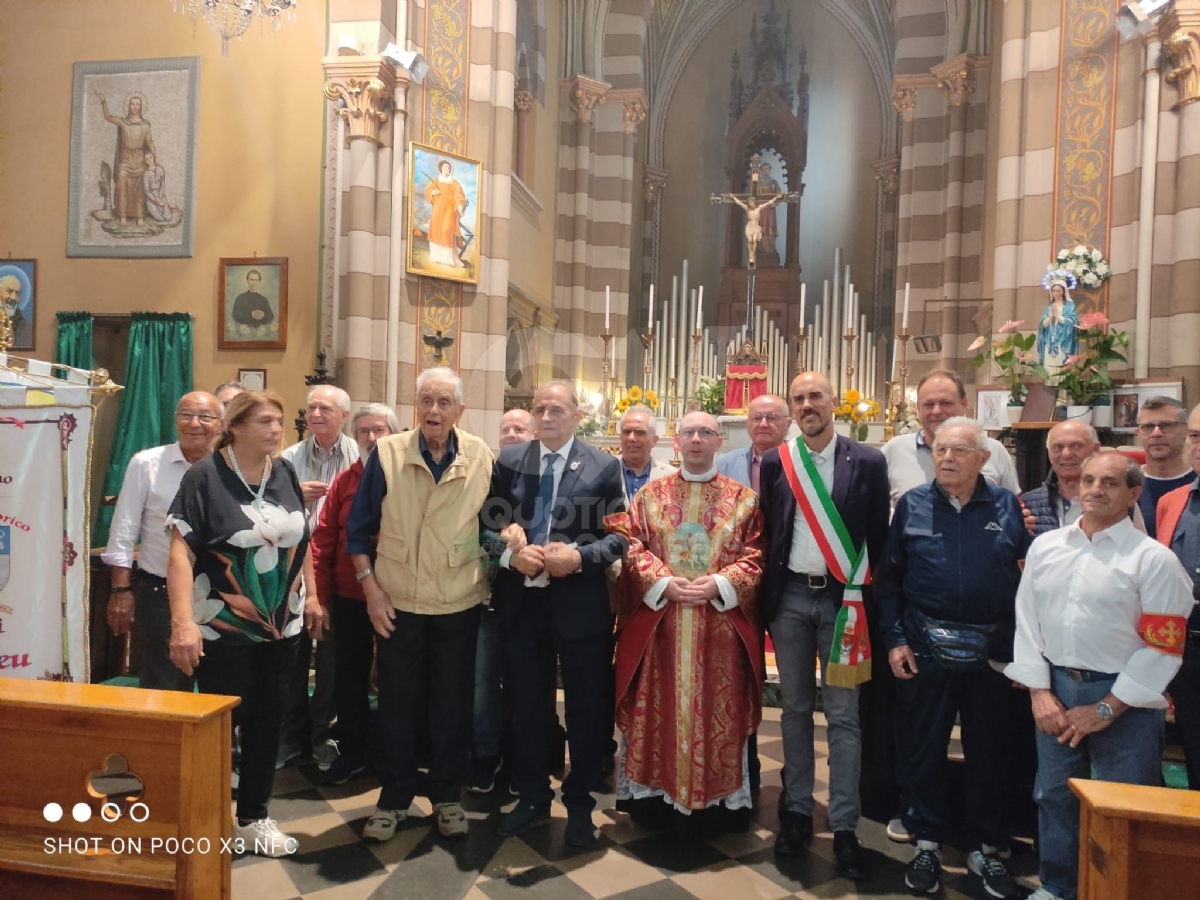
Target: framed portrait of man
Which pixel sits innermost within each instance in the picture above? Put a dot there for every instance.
(443, 214)
(18, 294)
(252, 309)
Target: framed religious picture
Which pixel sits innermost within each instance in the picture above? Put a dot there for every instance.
(992, 409)
(133, 158)
(18, 293)
(443, 214)
(253, 379)
(252, 309)
(1125, 409)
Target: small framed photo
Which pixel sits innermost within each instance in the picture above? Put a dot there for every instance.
(18, 293)
(1125, 409)
(993, 409)
(253, 379)
(252, 309)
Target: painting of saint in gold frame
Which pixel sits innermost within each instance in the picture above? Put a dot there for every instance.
(443, 214)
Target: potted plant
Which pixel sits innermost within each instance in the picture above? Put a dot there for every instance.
(1085, 377)
(1013, 357)
(710, 393)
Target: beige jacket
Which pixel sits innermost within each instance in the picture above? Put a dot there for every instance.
(429, 560)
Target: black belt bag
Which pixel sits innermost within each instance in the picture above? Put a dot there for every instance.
(959, 647)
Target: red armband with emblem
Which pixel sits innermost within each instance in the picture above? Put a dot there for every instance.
(1164, 633)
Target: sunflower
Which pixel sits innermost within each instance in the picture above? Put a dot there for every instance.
(651, 399)
(852, 396)
(634, 394)
(623, 405)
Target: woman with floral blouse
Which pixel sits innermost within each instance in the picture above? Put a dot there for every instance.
(241, 586)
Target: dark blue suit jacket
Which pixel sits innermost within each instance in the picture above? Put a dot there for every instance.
(591, 488)
(862, 495)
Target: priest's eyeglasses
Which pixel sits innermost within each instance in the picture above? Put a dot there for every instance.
(706, 433)
(1147, 428)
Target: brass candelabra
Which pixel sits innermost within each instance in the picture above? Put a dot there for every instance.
(691, 403)
(898, 401)
(606, 374)
(801, 338)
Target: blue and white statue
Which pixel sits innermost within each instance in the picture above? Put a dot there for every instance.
(1058, 331)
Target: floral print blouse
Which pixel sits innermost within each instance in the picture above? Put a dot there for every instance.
(249, 553)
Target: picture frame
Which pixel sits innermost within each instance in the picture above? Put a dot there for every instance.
(444, 217)
(252, 312)
(992, 409)
(132, 183)
(1125, 405)
(18, 293)
(1127, 400)
(253, 379)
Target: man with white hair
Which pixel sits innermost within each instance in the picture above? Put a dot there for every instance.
(767, 424)
(425, 580)
(946, 592)
(318, 459)
(638, 434)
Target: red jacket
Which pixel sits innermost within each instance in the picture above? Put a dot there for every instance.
(334, 570)
(1170, 510)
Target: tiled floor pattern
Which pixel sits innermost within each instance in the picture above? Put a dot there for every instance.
(628, 863)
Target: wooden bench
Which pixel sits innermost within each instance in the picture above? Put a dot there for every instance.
(57, 735)
(1137, 842)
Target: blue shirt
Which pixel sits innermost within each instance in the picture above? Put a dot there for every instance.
(367, 510)
(1185, 544)
(1153, 490)
(633, 481)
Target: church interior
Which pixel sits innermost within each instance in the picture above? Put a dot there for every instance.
(674, 203)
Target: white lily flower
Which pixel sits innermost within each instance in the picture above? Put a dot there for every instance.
(293, 627)
(205, 607)
(272, 527)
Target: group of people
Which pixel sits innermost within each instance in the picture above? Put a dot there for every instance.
(481, 579)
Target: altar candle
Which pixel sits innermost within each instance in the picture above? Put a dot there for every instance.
(904, 320)
(803, 292)
(672, 356)
(895, 353)
(650, 317)
(700, 309)
(607, 301)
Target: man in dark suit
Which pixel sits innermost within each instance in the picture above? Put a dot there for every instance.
(810, 610)
(548, 502)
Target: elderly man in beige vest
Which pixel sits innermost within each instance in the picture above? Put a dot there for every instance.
(424, 581)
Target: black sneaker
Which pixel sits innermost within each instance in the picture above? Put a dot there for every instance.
(343, 769)
(483, 773)
(996, 878)
(924, 874)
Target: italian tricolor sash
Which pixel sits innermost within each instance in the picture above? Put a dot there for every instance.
(850, 656)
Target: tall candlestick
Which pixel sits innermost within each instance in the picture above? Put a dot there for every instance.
(607, 303)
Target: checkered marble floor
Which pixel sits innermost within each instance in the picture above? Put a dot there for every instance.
(627, 863)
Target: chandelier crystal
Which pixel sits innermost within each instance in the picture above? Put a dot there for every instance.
(231, 18)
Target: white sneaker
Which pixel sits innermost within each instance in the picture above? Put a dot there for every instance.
(1043, 894)
(897, 832)
(381, 826)
(262, 837)
(326, 755)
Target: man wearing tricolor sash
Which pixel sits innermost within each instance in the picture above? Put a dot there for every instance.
(825, 512)
(689, 659)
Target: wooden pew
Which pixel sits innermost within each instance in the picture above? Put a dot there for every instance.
(1137, 842)
(56, 735)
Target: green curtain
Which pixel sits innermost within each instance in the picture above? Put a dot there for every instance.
(73, 343)
(158, 371)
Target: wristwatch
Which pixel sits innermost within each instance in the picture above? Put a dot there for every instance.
(364, 574)
(1104, 711)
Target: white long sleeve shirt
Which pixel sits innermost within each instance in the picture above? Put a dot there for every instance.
(1080, 603)
(151, 483)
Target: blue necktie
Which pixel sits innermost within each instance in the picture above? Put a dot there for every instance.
(541, 514)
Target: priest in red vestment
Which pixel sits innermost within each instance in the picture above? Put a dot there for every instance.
(689, 661)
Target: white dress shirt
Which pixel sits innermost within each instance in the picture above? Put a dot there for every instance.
(806, 557)
(1080, 602)
(151, 483)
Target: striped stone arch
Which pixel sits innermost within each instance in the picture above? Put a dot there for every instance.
(920, 35)
(625, 44)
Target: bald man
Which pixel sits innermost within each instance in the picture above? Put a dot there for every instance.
(151, 483)
(767, 424)
(1056, 503)
(689, 583)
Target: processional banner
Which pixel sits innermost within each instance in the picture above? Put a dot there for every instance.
(45, 458)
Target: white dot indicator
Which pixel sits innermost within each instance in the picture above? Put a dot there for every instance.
(52, 812)
(81, 812)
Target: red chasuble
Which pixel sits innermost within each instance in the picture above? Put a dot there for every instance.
(689, 678)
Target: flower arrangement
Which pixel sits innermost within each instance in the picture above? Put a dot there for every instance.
(1087, 264)
(711, 394)
(1013, 356)
(857, 410)
(635, 396)
(1085, 375)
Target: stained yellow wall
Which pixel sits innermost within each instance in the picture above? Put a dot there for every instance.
(258, 177)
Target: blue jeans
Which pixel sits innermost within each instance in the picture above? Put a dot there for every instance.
(489, 706)
(1128, 751)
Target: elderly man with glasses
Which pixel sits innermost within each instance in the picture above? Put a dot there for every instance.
(767, 424)
(151, 483)
(1162, 429)
(947, 589)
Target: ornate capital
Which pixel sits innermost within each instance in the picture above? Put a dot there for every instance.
(957, 76)
(887, 174)
(635, 114)
(653, 182)
(905, 101)
(1180, 33)
(365, 84)
(523, 101)
(585, 94)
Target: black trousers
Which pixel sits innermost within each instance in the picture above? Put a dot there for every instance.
(1185, 691)
(437, 651)
(927, 704)
(152, 631)
(259, 674)
(354, 640)
(586, 663)
(309, 720)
